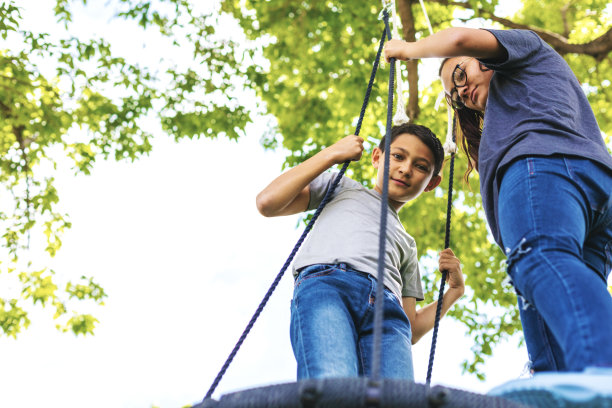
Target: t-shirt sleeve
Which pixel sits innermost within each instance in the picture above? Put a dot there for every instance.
(318, 188)
(412, 285)
(320, 185)
(520, 46)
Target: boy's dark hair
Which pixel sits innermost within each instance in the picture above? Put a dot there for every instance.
(425, 135)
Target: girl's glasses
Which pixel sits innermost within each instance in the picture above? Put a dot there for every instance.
(459, 78)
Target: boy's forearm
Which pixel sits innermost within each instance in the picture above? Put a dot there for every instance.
(425, 317)
(278, 198)
(289, 192)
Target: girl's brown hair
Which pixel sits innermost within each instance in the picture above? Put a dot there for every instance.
(469, 132)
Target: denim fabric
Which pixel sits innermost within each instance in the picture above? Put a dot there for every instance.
(555, 217)
(332, 325)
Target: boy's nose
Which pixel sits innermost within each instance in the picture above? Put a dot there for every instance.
(406, 169)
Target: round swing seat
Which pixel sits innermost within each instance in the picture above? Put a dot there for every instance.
(356, 393)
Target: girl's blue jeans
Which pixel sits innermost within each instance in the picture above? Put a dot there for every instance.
(555, 219)
(332, 324)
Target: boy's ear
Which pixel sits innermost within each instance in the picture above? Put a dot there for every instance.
(376, 155)
(433, 183)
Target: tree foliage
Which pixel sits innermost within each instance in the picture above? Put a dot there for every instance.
(69, 99)
(306, 63)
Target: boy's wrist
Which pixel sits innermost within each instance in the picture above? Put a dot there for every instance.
(329, 156)
(456, 292)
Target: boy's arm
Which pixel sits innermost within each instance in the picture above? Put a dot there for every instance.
(451, 42)
(422, 320)
(289, 193)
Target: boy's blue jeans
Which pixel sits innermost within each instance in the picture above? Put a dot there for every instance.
(332, 323)
(555, 219)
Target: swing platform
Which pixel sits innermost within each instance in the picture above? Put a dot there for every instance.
(589, 389)
(356, 393)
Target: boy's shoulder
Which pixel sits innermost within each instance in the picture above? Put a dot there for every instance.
(347, 189)
(325, 180)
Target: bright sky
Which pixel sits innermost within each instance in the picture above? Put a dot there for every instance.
(176, 241)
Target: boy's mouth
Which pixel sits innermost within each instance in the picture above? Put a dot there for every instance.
(400, 182)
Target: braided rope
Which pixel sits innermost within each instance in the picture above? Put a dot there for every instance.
(444, 273)
(400, 116)
(382, 237)
(327, 197)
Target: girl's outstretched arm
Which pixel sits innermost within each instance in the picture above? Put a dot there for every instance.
(451, 42)
(289, 193)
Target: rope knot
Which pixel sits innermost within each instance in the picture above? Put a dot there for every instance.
(450, 147)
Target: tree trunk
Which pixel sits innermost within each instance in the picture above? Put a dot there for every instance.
(404, 9)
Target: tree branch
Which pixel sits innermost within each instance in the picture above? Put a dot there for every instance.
(597, 48)
(564, 10)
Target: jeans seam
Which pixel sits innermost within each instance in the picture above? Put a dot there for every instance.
(579, 312)
(300, 339)
(608, 262)
(362, 364)
(548, 350)
(531, 201)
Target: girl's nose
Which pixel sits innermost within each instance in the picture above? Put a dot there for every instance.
(463, 93)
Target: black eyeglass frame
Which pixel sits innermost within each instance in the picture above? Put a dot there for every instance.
(454, 99)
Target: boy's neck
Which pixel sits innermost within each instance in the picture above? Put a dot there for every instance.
(395, 205)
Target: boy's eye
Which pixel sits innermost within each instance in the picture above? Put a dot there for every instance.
(397, 156)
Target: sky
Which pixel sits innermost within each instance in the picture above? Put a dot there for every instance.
(185, 258)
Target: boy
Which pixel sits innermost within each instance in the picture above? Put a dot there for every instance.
(332, 311)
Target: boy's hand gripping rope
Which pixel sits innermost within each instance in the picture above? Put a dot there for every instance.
(304, 234)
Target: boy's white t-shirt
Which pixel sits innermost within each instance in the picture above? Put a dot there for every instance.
(347, 231)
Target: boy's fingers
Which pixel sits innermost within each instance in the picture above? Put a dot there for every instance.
(447, 251)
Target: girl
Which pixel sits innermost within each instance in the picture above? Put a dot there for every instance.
(545, 180)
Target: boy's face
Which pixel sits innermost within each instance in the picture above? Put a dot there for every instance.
(411, 168)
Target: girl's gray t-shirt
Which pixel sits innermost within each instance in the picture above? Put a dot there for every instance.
(347, 231)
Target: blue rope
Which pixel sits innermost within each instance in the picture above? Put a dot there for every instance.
(382, 237)
(327, 197)
(444, 273)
